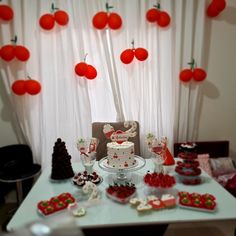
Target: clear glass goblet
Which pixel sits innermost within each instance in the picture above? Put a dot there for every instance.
(158, 149)
(88, 161)
(87, 148)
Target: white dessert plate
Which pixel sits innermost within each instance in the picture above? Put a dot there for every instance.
(198, 208)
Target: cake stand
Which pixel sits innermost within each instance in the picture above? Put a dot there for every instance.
(121, 173)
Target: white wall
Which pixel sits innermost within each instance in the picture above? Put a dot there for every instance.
(218, 113)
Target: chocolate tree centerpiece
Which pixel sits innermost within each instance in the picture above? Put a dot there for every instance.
(61, 162)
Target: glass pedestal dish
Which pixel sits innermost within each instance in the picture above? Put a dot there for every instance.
(121, 174)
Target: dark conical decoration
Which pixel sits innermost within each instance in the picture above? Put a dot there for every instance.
(61, 162)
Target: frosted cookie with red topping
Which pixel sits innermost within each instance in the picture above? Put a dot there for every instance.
(168, 200)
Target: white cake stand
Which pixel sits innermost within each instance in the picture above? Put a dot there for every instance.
(121, 173)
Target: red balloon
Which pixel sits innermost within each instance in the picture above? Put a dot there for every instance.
(8, 52)
(199, 74)
(32, 87)
(212, 10)
(61, 17)
(152, 15)
(219, 4)
(22, 53)
(163, 19)
(100, 20)
(18, 87)
(141, 54)
(91, 72)
(47, 21)
(186, 75)
(127, 56)
(6, 12)
(81, 69)
(114, 21)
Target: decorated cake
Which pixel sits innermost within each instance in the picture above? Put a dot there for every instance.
(120, 155)
(120, 152)
(61, 162)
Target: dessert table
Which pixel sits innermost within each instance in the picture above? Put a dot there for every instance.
(108, 213)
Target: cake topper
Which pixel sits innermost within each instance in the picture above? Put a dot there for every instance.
(120, 136)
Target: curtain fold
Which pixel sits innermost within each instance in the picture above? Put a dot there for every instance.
(189, 44)
(147, 91)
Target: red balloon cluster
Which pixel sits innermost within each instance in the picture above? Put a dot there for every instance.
(8, 52)
(102, 19)
(128, 55)
(216, 7)
(20, 87)
(88, 71)
(197, 74)
(6, 13)
(47, 21)
(162, 18)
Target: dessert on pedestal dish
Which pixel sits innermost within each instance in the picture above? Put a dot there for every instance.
(188, 169)
(120, 152)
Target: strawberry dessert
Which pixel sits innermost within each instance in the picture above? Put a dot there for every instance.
(55, 204)
(204, 202)
(121, 192)
(159, 180)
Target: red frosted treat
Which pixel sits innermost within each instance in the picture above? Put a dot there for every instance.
(55, 203)
(157, 204)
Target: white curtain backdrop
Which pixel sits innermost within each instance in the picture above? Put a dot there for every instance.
(143, 91)
(189, 44)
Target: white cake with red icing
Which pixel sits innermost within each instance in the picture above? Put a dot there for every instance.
(120, 155)
(120, 152)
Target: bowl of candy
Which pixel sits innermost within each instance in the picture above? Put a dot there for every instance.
(159, 183)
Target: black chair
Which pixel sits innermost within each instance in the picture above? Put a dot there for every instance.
(17, 170)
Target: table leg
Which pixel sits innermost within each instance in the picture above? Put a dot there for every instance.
(19, 192)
